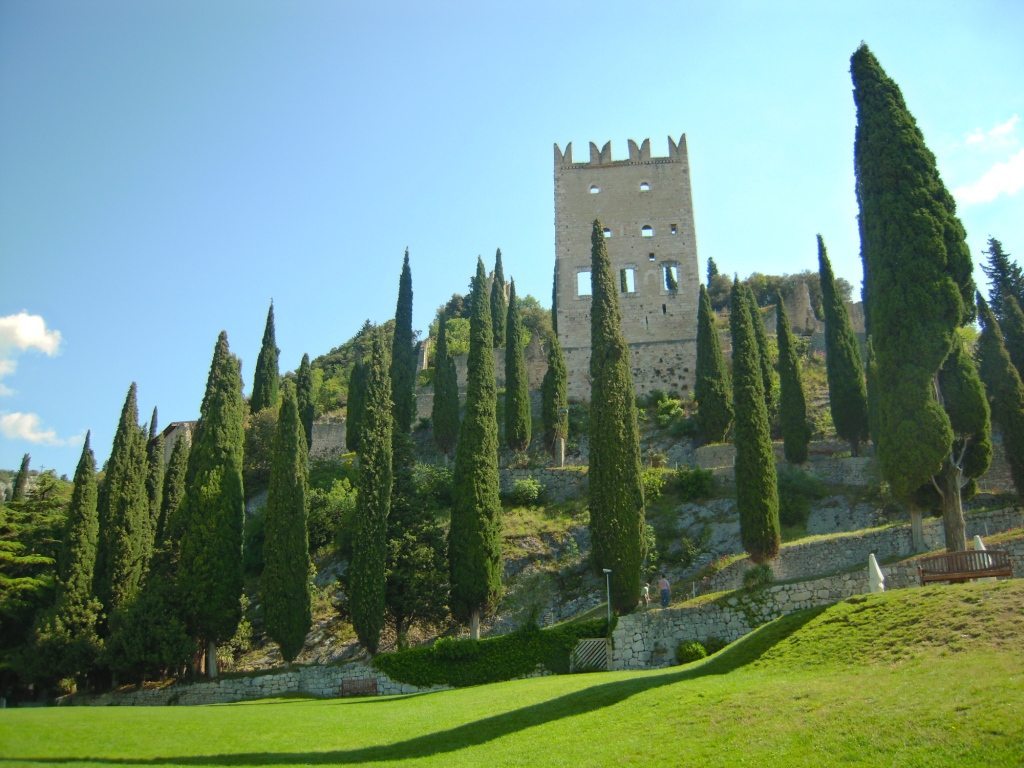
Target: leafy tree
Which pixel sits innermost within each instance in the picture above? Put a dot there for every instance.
(1005, 392)
(919, 290)
(445, 413)
(213, 509)
(356, 405)
(474, 538)
(266, 378)
(369, 538)
(719, 290)
(848, 400)
(1012, 323)
(796, 433)
(285, 580)
(711, 389)
(169, 524)
(154, 478)
(21, 479)
(712, 270)
(554, 395)
(757, 495)
(1005, 277)
(304, 397)
(125, 541)
(517, 392)
(499, 304)
(616, 489)
(258, 454)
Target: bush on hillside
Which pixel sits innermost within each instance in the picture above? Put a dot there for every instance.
(689, 652)
(797, 489)
(693, 483)
(526, 492)
(758, 577)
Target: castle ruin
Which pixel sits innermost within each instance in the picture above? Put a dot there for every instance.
(645, 207)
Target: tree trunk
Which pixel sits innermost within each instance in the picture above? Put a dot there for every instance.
(211, 659)
(855, 448)
(953, 524)
(474, 625)
(916, 530)
(401, 634)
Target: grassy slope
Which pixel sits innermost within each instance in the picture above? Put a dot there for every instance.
(916, 677)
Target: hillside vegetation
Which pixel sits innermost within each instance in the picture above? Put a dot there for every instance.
(919, 677)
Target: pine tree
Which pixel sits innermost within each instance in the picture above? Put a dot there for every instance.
(21, 480)
(266, 378)
(499, 305)
(169, 525)
(213, 509)
(369, 526)
(445, 412)
(711, 389)
(796, 433)
(304, 397)
(474, 539)
(1005, 277)
(1005, 392)
(616, 490)
(848, 400)
(517, 393)
(356, 403)
(554, 391)
(1012, 323)
(284, 583)
(125, 531)
(919, 290)
(757, 495)
(154, 480)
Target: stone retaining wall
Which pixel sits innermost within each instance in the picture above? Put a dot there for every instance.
(560, 484)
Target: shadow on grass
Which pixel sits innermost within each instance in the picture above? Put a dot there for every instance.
(478, 732)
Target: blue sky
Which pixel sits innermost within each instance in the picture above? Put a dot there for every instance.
(166, 168)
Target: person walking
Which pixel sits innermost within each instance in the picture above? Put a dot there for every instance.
(664, 587)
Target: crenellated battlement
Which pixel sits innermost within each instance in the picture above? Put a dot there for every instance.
(637, 154)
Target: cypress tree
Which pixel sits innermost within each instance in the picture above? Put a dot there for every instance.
(517, 393)
(554, 391)
(1012, 323)
(369, 526)
(474, 539)
(1005, 392)
(169, 523)
(764, 356)
(616, 490)
(21, 480)
(711, 389)
(445, 410)
(356, 403)
(847, 392)
(213, 509)
(918, 289)
(154, 479)
(499, 306)
(712, 270)
(796, 433)
(266, 378)
(1005, 277)
(554, 302)
(403, 356)
(304, 398)
(284, 583)
(757, 496)
(125, 532)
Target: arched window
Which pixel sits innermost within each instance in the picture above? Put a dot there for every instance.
(594, 189)
(607, 232)
(647, 231)
(645, 187)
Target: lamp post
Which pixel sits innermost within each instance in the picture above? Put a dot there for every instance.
(608, 586)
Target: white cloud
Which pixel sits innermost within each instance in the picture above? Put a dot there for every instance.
(20, 333)
(25, 426)
(1005, 178)
(1001, 135)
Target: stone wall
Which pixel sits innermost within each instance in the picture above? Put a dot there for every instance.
(328, 439)
(720, 459)
(560, 484)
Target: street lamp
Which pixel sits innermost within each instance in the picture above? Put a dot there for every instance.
(608, 585)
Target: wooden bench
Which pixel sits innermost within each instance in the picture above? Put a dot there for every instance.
(958, 567)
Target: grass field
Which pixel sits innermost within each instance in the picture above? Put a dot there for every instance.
(922, 677)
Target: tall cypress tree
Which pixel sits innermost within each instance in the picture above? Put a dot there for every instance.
(213, 509)
(712, 270)
(154, 478)
(304, 398)
(266, 378)
(474, 539)
(284, 583)
(125, 531)
(554, 391)
(356, 403)
(369, 535)
(757, 496)
(1005, 277)
(403, 355)
(711, 389)
(499, 305)
(21, 480)
(616, 490)
(1012, 323)
(847, 391)
(919, 290)
(554, 301)
(518, 421)
(1005, 392)
(169, 523)
(764, 356)
(445, 410)
(796, 433)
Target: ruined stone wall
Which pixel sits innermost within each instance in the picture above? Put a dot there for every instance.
(645, 205)
(328, 439)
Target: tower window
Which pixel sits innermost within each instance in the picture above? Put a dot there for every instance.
(583, 283)
(645, 187)
(607, 232)
(664, 309)
(627, 280)
(647, 231)
(671, 272)
(651, 257)
(675, 230)
(594, 189)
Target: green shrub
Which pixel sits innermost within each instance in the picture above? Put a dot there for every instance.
(653, 480)
(330, 511)
(433, 484)
(422, 424)
(693, 483)
(714, 644)
(579, 419)
(324, 472)
(797, 490)
(690, 651)
(758, 577)
(526, 492)
(253, 533)
(476, 662)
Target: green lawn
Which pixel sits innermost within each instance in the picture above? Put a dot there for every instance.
(923, 677)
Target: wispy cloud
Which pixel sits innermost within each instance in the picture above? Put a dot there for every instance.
(1004, 178)
(26, 426)
(1002, 135)
(20, 333)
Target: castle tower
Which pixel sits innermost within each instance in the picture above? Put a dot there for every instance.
(645, 206)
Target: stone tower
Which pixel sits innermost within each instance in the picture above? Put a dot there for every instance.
(645, 207)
